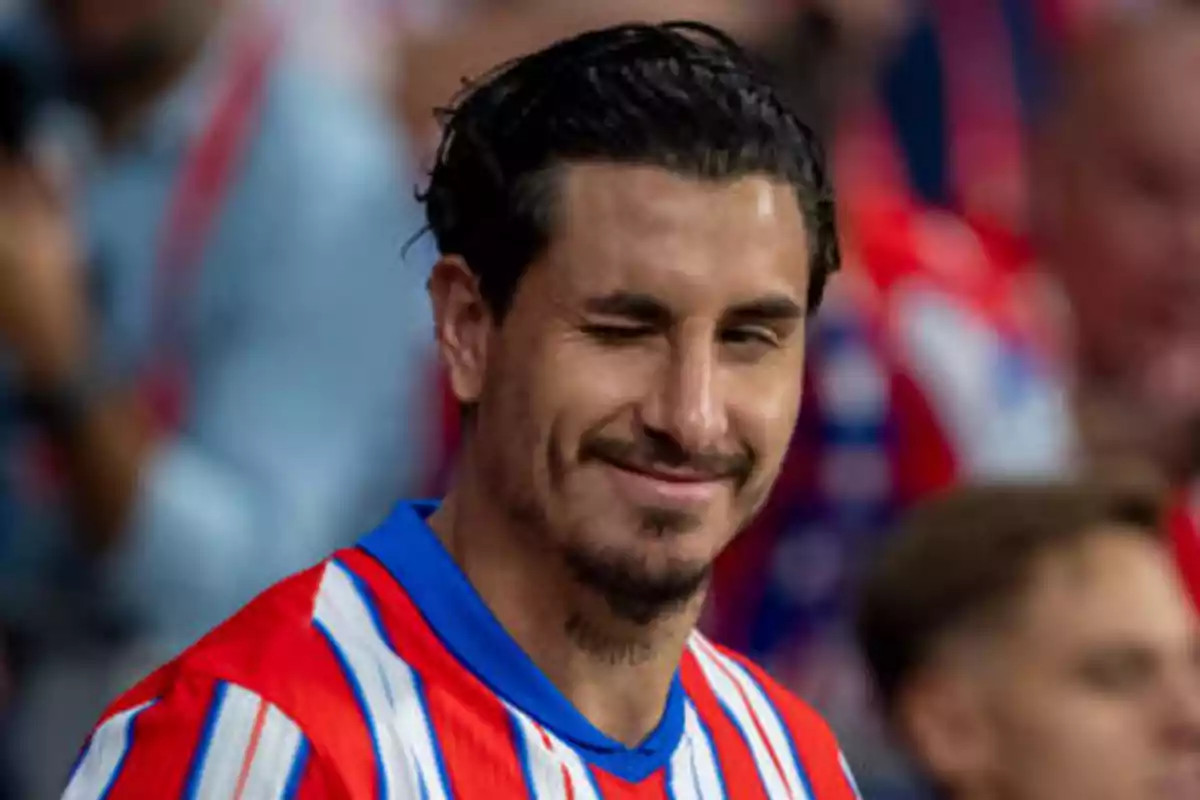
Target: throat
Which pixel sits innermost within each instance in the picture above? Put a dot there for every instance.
(626, 703)
(617, 674)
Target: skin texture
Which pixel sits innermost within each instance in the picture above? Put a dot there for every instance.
(1087, 689)
(633, 409)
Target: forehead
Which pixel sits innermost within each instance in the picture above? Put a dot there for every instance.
(690, 242)
(1137, 89)
(1115, 588)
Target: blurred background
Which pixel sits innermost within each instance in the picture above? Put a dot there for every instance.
(215, 349)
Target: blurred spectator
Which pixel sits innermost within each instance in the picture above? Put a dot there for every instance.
(1118, 224)
(1118, 220)
(434, 60)
(211, 346)
(1035, 642)
(354, 39)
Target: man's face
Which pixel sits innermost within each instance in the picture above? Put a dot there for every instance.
(1124, 231)
(641, 392)
(1093, 692)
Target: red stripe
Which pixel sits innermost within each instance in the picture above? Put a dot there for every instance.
(734, 757)
(316, 783)
(568, 784)
(164, 738)
(612, 788)
(260, 719)
(477, 743)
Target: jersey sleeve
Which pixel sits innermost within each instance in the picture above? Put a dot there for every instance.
(203, 739)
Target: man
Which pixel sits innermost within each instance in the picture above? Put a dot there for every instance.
(1118, 199)
(633, 229)
(1036, 642)
(206, 344)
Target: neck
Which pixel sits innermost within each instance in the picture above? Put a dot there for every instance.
(617, 674)
(121, 93)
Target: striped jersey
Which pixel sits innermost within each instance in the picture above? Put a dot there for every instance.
(380, 673)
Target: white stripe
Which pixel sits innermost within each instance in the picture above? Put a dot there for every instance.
(849, 775)
(543, 769)
(105, 752)
(772, 725)
(394, 707)
(271, 764)
(740, 713)
(229, 744)
(581, 777)
(694, 771)
(546, 763)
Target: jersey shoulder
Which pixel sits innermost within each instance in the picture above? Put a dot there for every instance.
(271, 647)
(257, 704)
(264, 647)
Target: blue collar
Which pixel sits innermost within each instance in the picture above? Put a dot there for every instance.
(414, 556)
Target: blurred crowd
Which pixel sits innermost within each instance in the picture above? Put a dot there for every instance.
(216, 358)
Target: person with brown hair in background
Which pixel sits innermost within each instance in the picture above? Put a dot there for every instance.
(1035, 641)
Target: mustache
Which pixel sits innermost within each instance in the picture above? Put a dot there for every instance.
(648, 454)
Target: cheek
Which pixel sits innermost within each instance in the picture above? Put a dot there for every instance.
(586, 389)
(510, 416)
(1073, 742)
(764, 413)
(1120, 238)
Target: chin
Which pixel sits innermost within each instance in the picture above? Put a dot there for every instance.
(638, 586)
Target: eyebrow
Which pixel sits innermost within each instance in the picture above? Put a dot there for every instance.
(642, 308)
(771, 308)
(649, 310)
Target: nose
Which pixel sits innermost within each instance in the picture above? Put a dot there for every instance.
(686, 404)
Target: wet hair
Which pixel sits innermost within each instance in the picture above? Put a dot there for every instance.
(964, 557)
(681, 96)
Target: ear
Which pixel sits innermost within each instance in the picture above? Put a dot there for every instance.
(462, 324)
(944, 718)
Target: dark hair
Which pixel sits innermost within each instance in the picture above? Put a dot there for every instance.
(966, 556)
(678, 95)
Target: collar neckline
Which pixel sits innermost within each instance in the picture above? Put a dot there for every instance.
(410, 551)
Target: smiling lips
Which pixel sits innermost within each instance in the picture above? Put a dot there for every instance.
(658, 486)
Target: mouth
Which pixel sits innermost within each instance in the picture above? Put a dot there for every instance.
(658, 486)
